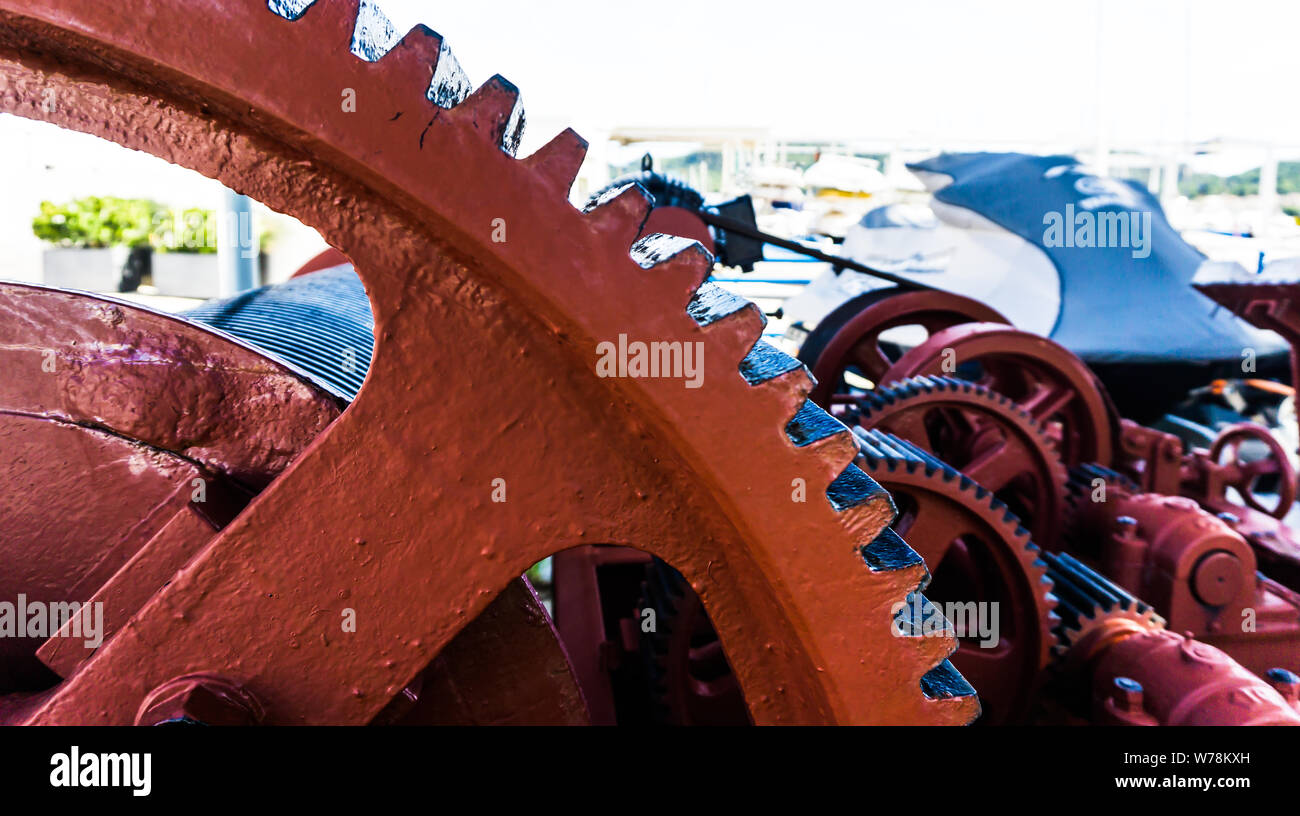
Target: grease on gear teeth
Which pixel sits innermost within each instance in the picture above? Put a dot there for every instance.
(885, 454)
(1087, 600)
(711, 304)
(876, 410)
(289, 125)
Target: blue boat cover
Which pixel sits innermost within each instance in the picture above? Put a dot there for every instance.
(1127, 301)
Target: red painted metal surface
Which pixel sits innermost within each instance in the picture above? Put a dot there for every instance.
(155, 378)
(325, 259)
(1269, 304)
(1181, 681)
(507, 667)
(1243, 477)
(411, 539)
(681, 222)
(982, 434)
(89, 510)
(75, 505)
(1197, 571)
(850, 336)
(978, 554)
(369, 555)
(1044, 379)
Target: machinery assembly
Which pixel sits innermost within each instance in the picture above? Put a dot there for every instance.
(318, 501)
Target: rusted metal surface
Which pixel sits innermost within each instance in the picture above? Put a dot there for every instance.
(412, 540)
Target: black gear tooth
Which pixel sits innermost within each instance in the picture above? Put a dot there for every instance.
(889, 552)
(944, 681)
(811, 424)
(1032, 555)
(1086, 596)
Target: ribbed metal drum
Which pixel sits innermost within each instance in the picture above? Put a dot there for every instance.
(319, 323)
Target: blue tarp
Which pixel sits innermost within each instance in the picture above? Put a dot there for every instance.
(1125, 272)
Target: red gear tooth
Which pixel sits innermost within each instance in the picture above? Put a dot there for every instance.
(864, 520)
(837, 449)
(622, 213)
(409, 219)
(559, 160)
(284, 8)
(495, 112)
(415, 55)
(963, 511)
(323, 18)
(677, 264)
(794, 385)
(450, 85)
(732, 337)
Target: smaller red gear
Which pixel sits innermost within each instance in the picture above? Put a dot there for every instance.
(1042, 377)
(984, 435)
(978, 552)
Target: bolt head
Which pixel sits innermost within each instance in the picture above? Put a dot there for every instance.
(200, 699)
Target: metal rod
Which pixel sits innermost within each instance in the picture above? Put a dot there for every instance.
(741, 228)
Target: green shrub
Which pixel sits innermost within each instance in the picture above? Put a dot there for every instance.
(105, 221)
(96, 221)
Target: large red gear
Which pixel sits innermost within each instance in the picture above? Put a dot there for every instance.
(387, 512)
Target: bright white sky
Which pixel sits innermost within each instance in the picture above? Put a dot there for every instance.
(934, 70)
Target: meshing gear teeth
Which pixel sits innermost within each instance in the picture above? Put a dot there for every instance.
(971, 426)
(387, 184)
(1089, 601)
(923, 484)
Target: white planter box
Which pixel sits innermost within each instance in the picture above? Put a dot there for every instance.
(94, 270)
(186, 274)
